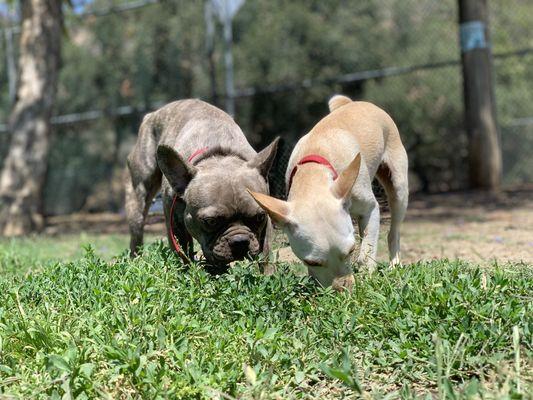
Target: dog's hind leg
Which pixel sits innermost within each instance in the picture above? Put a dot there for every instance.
(143, 181)
(393, 177)
(138, 200)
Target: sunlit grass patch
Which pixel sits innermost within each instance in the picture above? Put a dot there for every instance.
(19, 255)
(151, 327)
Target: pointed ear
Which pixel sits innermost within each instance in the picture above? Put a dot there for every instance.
(264, 159)
(343, 184)
(178, 171)
(278, 210)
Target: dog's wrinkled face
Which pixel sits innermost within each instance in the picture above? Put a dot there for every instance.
(227, 222)
(219, 213)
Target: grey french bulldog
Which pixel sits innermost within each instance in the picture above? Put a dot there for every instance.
(201, 161)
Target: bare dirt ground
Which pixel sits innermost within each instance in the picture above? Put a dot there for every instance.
(471, 226)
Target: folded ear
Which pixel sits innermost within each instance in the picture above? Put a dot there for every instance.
(178, 171)
(264, 159)
(343, 184)
(278, 210)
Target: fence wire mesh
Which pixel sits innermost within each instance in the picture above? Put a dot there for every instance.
(122, 58)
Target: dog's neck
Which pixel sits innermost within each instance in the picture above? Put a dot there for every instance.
(219, 151)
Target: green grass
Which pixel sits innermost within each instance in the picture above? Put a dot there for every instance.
(18, 255)
(151, 328)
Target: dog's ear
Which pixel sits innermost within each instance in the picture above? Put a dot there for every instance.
(343, 184)
(178, 171)
(264, 159)
(278, 210)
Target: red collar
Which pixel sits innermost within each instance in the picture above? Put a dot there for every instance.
(197, 153)
(312, 158)
(175, 243)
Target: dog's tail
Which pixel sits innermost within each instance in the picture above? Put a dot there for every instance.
(338, 101)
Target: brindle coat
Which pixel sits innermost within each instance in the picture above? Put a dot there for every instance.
(213, 206)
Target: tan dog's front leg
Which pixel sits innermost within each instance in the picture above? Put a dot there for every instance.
(265, 264)
(369, 232)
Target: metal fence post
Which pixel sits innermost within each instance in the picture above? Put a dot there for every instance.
(226, 10)
(210, 49)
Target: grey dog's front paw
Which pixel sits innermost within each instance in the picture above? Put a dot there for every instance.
(216, 269)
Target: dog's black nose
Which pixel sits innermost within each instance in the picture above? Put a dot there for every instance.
(239, 244)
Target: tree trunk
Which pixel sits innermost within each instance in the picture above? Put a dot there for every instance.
(210, 49)
(484, 152)
(23, 174)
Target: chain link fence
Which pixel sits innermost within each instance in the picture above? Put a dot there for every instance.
(121, 59)
(514, 87)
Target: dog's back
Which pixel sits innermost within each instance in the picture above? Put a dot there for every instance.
(378, 139)
(177, 124)
(351, 127)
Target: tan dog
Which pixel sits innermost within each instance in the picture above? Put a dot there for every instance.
(362, 141)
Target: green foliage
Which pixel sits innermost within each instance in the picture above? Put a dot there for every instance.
(20, 255)
(157, 54)
(152, 328)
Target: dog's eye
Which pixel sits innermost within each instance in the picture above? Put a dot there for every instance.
(257, 219)
(210, 222)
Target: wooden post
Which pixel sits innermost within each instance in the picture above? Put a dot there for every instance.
(484, 150)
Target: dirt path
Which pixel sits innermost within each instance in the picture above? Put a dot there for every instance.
(471, 226)
(466, 225)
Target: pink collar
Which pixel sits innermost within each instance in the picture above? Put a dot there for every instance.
(175, 244)
(197, 153)
(312, 158)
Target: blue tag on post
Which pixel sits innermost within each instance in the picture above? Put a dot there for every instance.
(472, 35)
